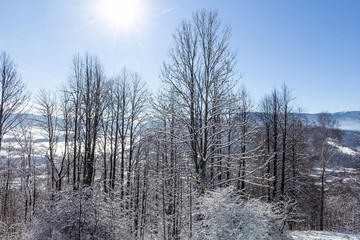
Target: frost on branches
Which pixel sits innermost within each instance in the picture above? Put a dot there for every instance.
(224, 215)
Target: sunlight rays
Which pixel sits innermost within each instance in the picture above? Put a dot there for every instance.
(120, 13)
(119, 16)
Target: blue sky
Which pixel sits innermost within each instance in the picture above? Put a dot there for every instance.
(313, 46)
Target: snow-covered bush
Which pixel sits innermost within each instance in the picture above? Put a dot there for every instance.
(78, 215)
(222, 214)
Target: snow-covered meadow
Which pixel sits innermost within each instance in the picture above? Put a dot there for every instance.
(323, 235)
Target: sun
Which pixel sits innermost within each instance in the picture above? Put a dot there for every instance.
(120, 14)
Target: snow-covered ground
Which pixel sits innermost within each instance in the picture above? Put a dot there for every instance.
(325, 235)
(345, 150)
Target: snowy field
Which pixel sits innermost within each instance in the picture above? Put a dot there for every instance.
(314, 235)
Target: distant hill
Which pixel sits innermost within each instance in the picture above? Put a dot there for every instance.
(348, 120)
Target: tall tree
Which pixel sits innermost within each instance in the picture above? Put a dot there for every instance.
(270, 115)
(326, 137)
(13, 96)
(50, 124)
(247, 130)
(200, 73)
(93, 104)
(25, 140)
(74, 92)
(138, 96)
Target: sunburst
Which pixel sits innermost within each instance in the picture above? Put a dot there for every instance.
(119, 14)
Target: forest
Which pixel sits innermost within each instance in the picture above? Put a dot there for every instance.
(104, 158)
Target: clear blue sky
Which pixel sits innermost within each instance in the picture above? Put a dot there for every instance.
(313, 46)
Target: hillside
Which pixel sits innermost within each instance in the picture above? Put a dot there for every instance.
(348, 120)
(314, 235)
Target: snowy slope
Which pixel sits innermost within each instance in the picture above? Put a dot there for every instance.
(343, 149)
(325, 235)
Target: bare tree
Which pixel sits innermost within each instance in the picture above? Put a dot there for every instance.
(270, 115)
(25, 139)
(246, 132)
(50, 123)
(93, 109)
(326, 136)
(138, 97)
(200, 74)
(13, 96)
(74, 92)
(66, 125)
(116, 122)
(171, 163)
(87, 91)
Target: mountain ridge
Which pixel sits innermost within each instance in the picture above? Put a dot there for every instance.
(348, 120)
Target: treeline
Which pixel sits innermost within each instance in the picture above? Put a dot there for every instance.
(121, 163)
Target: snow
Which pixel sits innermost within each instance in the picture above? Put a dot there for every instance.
(324, 235)
(342, 149)
(332, 170)
(346, 150)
